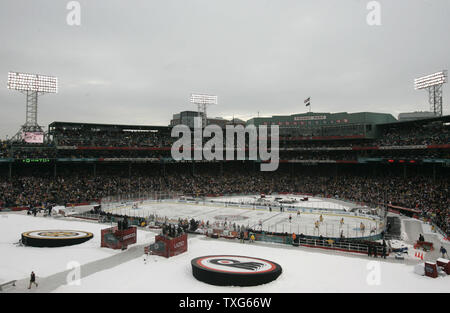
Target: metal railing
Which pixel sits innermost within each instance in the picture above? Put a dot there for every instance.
(339, 245)
(326, 243)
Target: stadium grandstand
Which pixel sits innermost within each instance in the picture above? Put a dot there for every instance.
(364, 157)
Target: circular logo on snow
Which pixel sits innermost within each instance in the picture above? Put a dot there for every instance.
(234, 270)
(57, 234)
(55, 238)
(235, 264)
(230, 218)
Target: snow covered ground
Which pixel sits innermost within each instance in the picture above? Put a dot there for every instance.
(274, 221)
(17, 262)
(303, 271)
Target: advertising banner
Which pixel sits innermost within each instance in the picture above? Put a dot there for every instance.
(33, 137)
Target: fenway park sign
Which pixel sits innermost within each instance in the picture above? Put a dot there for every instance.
(310, 118)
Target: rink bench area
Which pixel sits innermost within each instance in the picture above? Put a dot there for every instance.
(346, 246)
(350, 245)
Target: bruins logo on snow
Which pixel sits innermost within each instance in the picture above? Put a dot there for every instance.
(58, 234)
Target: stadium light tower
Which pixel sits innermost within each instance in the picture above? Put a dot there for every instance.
(202, 102)
(433, 83)
(32, 85)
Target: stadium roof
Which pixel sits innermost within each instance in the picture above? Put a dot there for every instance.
(444, 119)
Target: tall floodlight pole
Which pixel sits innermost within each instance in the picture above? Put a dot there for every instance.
(202, 102)
(433, 83)
(32, 85)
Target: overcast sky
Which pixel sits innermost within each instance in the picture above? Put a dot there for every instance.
(137, 62)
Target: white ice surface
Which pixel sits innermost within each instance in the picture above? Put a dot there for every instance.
(274, 221)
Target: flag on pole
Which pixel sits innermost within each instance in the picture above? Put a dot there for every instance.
(308, 101)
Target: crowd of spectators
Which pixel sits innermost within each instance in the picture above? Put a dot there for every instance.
(80, 137)
(284, 154)
(319, 155)
(99, 153)
(393, 136)
(27, 153)
(421, 193)
(4, 149)
(428, 134)
(36, 191)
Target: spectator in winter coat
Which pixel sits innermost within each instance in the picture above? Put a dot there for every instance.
(443, 251)
(32, 280)
(421, 238)
(383, 253)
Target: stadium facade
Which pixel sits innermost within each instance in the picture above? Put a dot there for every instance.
(362, 124)
(360, 149)
(310, 138)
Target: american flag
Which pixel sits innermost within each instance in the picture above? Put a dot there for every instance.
(307, 101)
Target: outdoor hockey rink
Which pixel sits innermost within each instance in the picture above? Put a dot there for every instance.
(252, 212)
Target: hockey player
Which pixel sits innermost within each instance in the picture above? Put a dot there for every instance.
(321, 218)
(290, 218)
(342, 222)
(298, 213)
(316, 226)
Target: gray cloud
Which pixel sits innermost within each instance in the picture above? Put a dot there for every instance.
(138, 61)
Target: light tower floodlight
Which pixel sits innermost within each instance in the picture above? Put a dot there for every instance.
(202, 102)
(433, 83)
(32, 85)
